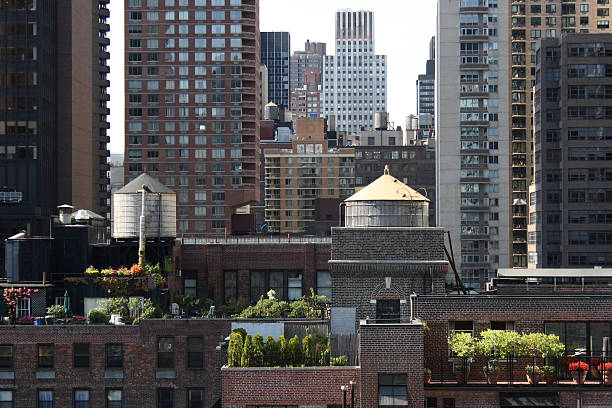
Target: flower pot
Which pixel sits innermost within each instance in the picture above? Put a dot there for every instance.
(461, 379)
(594, 371)
(579, 376)
(532, 377)
(426, 378)
(550, 379)
(491, 375)
(607, 377)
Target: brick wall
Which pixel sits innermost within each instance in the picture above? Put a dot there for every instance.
(389, 349)
(302, 386)
(390, 243)
(528, 312)
(139, 366)
(210, 260)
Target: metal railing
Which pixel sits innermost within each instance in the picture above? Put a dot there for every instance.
(594, 370)
(254, 240)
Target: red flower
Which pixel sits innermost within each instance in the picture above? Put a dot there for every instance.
(578, 366)
(605, 367)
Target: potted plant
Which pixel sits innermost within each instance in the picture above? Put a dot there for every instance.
(606, 372)
(496, 345)
(77, 319)
(579, 371)
(426, 375)
(491, 371)
(539, 345)
(594, 363)
(533, 373)
(462, 346)
(548, 372)
(27, 320)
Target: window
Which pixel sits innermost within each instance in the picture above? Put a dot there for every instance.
(114, 356)
(45, 399)
(294, 286)
(114, 398)
(165, 398)
(23, 307)
(165, 352)
(195, 398)
(230, 286)
(392, 390)
(195, 352)
(6, 357)
(45, 355)
(324, 287)
(6, 399)
(81, 399)
(80, 355)
(388, 311)
(449, 402)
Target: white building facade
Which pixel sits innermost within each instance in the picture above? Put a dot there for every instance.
(473, 134)
(355, 78)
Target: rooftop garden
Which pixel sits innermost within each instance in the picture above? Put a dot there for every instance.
(245, 350)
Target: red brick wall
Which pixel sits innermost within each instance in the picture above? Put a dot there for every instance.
(212, 259)
(313, 386)
(389, 349)
(139, 366)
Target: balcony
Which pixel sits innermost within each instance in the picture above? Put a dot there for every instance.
(460, 371)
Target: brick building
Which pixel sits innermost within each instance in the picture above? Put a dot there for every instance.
(192, 105)
(249, 267)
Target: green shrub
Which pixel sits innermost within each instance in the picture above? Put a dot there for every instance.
(234, 350)
(265, 308)
(295, 352)
(258, 351)
(98, 316)
(271, 356)
(322, 354)
(299, 308)
(56, 311)
(247, 352)
(309, 351)
(241, 332)
(151, 312)
(116, 305)
(339, 361)
(283, 352)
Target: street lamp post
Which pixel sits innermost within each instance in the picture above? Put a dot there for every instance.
(352, 394)
(343, 388)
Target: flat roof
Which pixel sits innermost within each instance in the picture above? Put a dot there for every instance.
(555, 273)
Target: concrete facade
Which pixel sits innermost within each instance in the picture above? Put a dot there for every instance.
(354, 42)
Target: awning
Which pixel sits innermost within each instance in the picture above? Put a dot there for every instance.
(528, 399)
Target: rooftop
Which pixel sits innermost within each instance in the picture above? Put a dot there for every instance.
(144, 179)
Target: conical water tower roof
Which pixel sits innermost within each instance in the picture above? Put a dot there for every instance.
(153, 185)
(387, 188)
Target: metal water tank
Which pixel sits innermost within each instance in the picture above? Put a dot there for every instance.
(160, 209)
(381, 120)
(386, 202)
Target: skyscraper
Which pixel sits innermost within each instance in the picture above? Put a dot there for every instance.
(571, 198)
(275, 55)
(484, 121)
(355, 78)
(310, 60)
(425, 83)
(192, 105)
(53, 141)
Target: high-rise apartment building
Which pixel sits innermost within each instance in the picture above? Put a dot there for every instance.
(306, 178)
(485, 70)
(192, 105)
(355, 78)
(275, 55)
(310, 60)
(425, 83)
(53, 141)
(307, 81)
(571, 199)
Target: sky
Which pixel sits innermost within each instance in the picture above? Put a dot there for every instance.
(403, 29)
